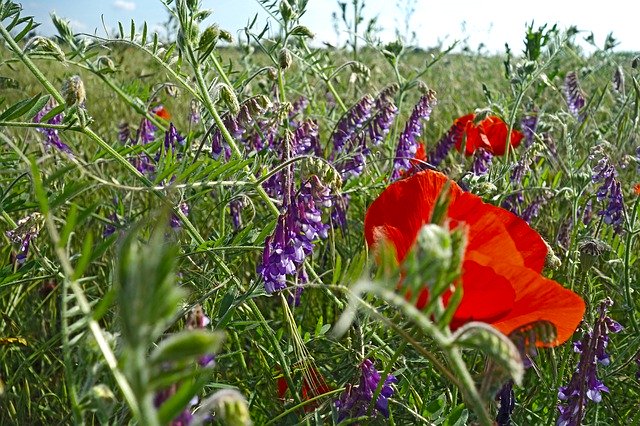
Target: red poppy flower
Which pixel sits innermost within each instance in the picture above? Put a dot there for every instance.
(490, 134)
(636, 188)
(162, 112)
(313, 385)
(503, 260)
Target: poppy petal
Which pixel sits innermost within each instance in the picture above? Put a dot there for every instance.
(486, 295)
(498, 233)
(403, 208)
(539, 299)
(496, 131)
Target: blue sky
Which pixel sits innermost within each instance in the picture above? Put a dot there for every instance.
(491, 22)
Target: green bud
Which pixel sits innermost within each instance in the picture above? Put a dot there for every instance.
(229, 406)
(226, 36)
(104, 64)
(209, 38)
(229, 97)
(301, 30)
(360, 68)
(284, 59)
(73, 91)
(423, 88)
(286, 11)
(590, 250)
(429, 260)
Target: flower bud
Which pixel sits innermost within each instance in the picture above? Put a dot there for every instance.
(301, 30)
(73, 91)
(286, 11)
(104, 64)
(230, 408)
(209, 39)
(229, 97)
(226, 36)
(285, 59)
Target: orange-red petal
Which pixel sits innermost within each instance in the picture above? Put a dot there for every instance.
(498, 233)
(403, 208)
(495, 130)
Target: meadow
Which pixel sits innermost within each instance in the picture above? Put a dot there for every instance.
(251, 229)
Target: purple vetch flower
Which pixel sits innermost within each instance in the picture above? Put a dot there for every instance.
(52, 137)
(444, 145)
(26, 230)
(355, 400)
(146, 132)
(219, 144)
(408, 144)
(174, 221)
(297, 108)
(585, 384)
(529, 125)
(638, 160)
(587, 213)
(574, 95)
(533, 209)
(606, 174)
(172, 137)
(386, 112)
(110, 227)
(124, 133)
(306, 140)
(513, 202)
(481, 162)
(507, 404)
(351, 123)
(638, 366)
(339, 211)
(520, 169)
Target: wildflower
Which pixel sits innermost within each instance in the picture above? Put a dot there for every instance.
(408, 144)
(351, 123)
(52, 137)
(584, 384)
(73, 91)
(574, 95)
(481, 162)
(606, 174)
(27, 230)
(313, 385)
(339, 212)
(174, 221)
(194, 112)
(235, 208)
(489, 133)
(448, 141)
(355, 400)
(587, 213)
(185, 417)
(502, 263)
(636, 188)
(171, 137)
(386, 113)
(124, 132)
(507, 404)
(529, 125)
(162, 112)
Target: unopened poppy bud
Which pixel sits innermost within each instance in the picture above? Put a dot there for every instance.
(429, 260)
(301, 30)
(73, 91)
(285, 59)
(229, 97)
(209, 38)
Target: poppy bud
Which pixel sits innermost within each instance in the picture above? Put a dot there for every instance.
(73, 91)
(285, 59)
(590, 250)
(229, 97)
(429, 260)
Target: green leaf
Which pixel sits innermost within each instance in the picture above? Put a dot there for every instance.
(187, 345)
(173, 406)
(20, 108)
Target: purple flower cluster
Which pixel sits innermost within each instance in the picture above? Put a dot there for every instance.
(174, 221)
(367, 122)
(185, 417)
(355, 400)
(585, 384)
(445, 144)
(198, 320)
(529, 125)
(408, 144)
(194, 112)
(172, 137)
(351, 123)
(297, 230)
(573, 95)
(306, 140)
(52, 137)
(606, 174)
(481, 162)
(124, 133)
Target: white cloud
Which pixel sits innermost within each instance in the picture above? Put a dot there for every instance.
(77, 25)
(124, 5)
